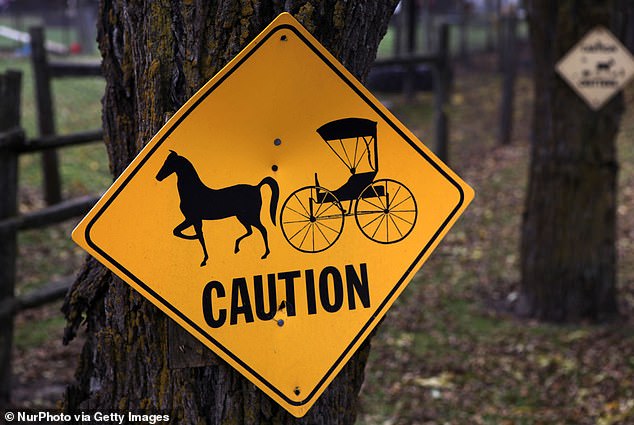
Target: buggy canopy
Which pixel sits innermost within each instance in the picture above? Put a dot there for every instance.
(347, 128)
(360, 141)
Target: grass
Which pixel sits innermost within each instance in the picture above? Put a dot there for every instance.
(35, 333)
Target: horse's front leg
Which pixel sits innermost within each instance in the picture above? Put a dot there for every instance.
(178, 230)
(198, 226)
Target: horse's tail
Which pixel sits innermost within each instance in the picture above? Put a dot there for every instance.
(275, 194)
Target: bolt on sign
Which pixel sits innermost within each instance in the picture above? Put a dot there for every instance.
(284, 210)
(597, 67)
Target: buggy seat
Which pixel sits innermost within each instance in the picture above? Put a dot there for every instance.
(352, 188)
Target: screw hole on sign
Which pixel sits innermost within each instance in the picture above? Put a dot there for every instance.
(297, 391)
(274, 168)
(283, 38)
(277, 142)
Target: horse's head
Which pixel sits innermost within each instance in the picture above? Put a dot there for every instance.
(169, 166)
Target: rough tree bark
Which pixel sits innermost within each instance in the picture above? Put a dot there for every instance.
(568, 250)
(156, 54)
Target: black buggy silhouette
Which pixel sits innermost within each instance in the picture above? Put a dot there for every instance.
(385, 211)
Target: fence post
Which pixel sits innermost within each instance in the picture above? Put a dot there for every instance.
(463, 31)
(411, 18)
(442, 84)
(490, 22)
(629, 30)
(428, 24)
(499, 26)
(398, 23)
(10, 86)
(45, 115)
(509, 67)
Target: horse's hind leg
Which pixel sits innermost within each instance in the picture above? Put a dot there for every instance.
(198, 226)
(262, 230)
(249, 232)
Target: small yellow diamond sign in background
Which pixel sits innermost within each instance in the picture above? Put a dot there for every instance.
(277, 215)
(597, 67)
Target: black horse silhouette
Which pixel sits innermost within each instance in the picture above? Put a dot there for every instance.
(199, 202)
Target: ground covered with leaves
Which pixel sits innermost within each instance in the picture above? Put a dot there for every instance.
(447, 352)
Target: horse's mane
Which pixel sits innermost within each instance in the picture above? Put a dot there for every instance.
(184, 161)
(185, 167)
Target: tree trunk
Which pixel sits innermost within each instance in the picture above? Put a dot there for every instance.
(156, 54)
(568, 250)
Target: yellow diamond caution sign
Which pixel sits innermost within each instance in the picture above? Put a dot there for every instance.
(597, 67)
(277, 215)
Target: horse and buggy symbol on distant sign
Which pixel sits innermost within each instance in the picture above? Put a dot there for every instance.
(312, 217)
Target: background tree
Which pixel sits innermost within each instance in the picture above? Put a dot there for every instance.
(568, 250)
(156, 54)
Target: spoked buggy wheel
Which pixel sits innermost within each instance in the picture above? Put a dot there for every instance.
(312, 219)
(386, 211)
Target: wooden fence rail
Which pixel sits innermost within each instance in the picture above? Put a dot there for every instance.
(52, 292)
(13, 143)
(54, 142)
(51, 215)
